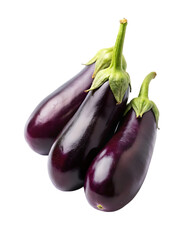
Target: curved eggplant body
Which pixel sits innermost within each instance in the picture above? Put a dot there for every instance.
(118, 171)
(84, 136)
(53, 113)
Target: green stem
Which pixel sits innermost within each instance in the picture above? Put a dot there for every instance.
(142, 104)
(145, 85)
(119, 80)
(118, 48)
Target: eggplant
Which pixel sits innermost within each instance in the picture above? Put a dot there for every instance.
(54, 112)
(92, 125)
(118, 171)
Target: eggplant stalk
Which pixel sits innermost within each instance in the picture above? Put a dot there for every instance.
(142, 104)
(118, 78)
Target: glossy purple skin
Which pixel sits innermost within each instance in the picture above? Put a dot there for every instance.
(84, 136)
(53, 113)
(118, 171)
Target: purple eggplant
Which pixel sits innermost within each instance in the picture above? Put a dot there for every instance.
(92, 125)
(118, 171)
(53, 113)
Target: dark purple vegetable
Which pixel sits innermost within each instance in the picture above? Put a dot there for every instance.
(92, 125)
(53, 113)
(118, 171)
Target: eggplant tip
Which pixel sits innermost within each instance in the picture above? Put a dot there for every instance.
(123, 21)
(100, 207)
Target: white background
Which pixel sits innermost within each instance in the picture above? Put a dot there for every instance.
(42, 44)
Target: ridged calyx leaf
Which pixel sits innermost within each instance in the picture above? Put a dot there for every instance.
(102, 60)
(118, 78)
(142, 104)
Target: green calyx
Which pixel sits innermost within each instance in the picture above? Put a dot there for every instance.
(102, 60)
(118, 78)
(142, 104)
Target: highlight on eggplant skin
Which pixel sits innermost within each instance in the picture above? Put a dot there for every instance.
(53, 113)
(118, 171)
